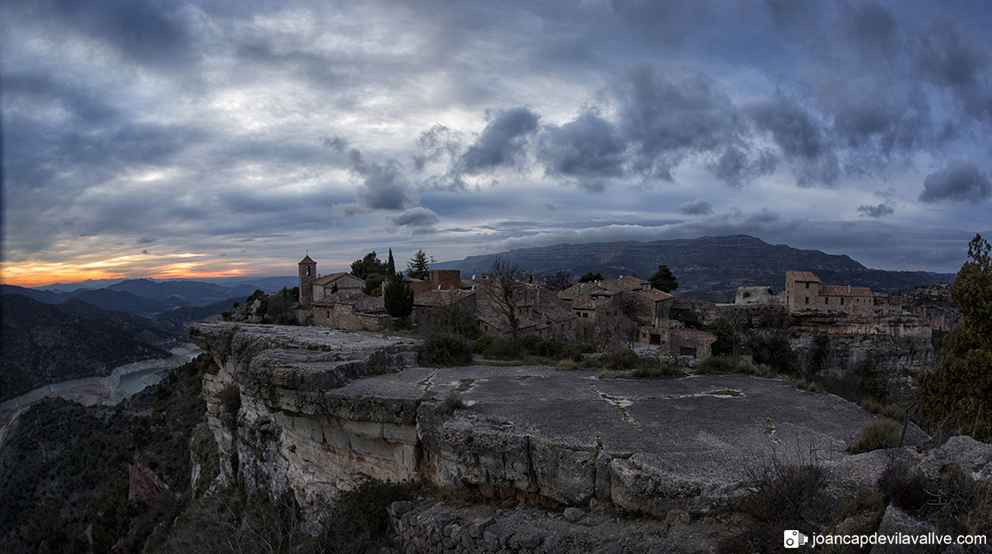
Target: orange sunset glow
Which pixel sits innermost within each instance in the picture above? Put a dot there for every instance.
(38, 274)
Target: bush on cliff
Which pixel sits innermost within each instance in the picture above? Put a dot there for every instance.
(447, 350)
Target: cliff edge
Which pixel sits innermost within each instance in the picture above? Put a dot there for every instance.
(312, 411)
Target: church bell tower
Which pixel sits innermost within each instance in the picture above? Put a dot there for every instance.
(308, 274)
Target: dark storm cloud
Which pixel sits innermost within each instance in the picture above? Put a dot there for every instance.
(960, 181)
(699, 207)
(672, 114)
(870, 26)
(337, 144)
(785, 13)
(36, 90)
(588, 149)
(418, 218)
(735, 168)
(440, 146)
(502, 142)
(436, 143)
(948, 58)
(670, 22)
(321, 70)
(385, 187)
(876, 212)
(800, 136)
(153, 33)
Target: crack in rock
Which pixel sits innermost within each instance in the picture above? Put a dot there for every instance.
(621, 404)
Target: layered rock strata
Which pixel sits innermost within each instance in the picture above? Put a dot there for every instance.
(314, 410)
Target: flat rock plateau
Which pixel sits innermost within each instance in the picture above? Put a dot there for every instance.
(320, 409)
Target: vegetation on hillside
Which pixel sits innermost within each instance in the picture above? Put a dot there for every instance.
(64, 469)
(957, 394)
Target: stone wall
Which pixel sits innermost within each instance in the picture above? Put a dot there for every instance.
(340, 315)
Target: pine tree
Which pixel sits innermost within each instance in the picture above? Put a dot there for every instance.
(663, 279)
(397, 296)
(419, 266)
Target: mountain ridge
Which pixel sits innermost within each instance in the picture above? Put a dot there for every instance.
(708, 267)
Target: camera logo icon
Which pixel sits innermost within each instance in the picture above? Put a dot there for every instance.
(794, 539)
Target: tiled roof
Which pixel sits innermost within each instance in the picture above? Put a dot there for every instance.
(802, 276)
(436, 298)
(636, 280)
(361, 302)
(328, 279)
(556, 313)
(589, 304)
(307, 260)
(655, 294)
(574, 291)
(845, 291)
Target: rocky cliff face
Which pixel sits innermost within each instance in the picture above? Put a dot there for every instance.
(313, 410)
(873, 363)
(933, 304)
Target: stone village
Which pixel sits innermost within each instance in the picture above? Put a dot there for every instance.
(625, 310)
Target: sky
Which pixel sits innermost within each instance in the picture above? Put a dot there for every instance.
(204, 139)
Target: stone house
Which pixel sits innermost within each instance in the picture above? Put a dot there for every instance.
(428, 306)
(336, 282)
(440, 279)
(351, 310)
(494, 323)
(804, 291)
(689, 342)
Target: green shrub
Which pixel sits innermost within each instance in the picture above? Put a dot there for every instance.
(622, 359)
(904, 485)
(482, 343)
(717, 365)
(230, 398)
(891, 411)
(504, 349)
(447, 350)
(884, 433)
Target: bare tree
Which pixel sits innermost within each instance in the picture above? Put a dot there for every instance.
(558, 281)
(505, 276)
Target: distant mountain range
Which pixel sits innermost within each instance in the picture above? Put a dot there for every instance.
(150, 298)
(706, 267)
(48, 343)
(49, 336)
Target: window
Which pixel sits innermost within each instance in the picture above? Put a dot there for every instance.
(807, 285)
(826, 300)
(841, 301)
(807, 300)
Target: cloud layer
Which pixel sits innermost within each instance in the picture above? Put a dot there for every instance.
(219, 137)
